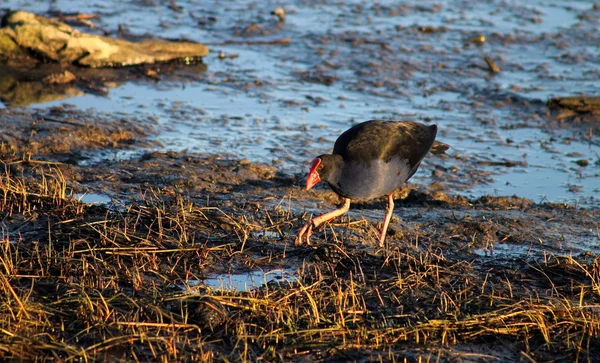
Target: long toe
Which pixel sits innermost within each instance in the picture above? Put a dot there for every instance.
(304, 234)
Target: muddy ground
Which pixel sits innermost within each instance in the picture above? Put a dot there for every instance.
(489, 279)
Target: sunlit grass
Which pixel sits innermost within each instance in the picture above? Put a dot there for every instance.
(87, 283)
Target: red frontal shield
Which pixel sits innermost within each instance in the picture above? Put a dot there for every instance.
(313, 176)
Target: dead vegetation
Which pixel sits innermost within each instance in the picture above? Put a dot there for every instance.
(91, 283)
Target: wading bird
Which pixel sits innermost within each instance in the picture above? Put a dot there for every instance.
(370, 160)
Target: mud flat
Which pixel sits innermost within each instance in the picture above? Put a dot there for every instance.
(126, 276)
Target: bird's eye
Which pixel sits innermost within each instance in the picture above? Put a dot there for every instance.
(320, 167)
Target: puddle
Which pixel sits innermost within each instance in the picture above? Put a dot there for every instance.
(244, 281)
(266, 234)
(507, 251)
(510, 251)
(93, 198)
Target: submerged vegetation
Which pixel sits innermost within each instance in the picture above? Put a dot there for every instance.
(93, 283)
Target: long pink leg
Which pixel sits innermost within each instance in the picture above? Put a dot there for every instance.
(388, 216)
(306, 231)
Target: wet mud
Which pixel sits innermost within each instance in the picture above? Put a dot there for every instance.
(60, 134)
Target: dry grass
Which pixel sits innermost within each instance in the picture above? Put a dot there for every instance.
(85, 283)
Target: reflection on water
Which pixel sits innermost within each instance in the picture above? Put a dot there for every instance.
(17, 92)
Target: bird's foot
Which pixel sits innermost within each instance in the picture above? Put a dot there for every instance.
(304, 234)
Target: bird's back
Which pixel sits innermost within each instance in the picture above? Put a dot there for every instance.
(379, 157)
(383, 140)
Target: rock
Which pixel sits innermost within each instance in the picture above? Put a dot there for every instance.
(25, 35)
(580, 104)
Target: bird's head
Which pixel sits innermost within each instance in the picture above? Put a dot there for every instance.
(324, 167)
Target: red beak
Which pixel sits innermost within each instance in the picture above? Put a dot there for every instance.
(313, 176)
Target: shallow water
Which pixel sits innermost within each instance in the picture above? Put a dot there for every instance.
(258, 107)
(505, 251)
(243, 281)
(93, 198)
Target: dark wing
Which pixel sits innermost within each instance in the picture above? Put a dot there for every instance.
(383, 140)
